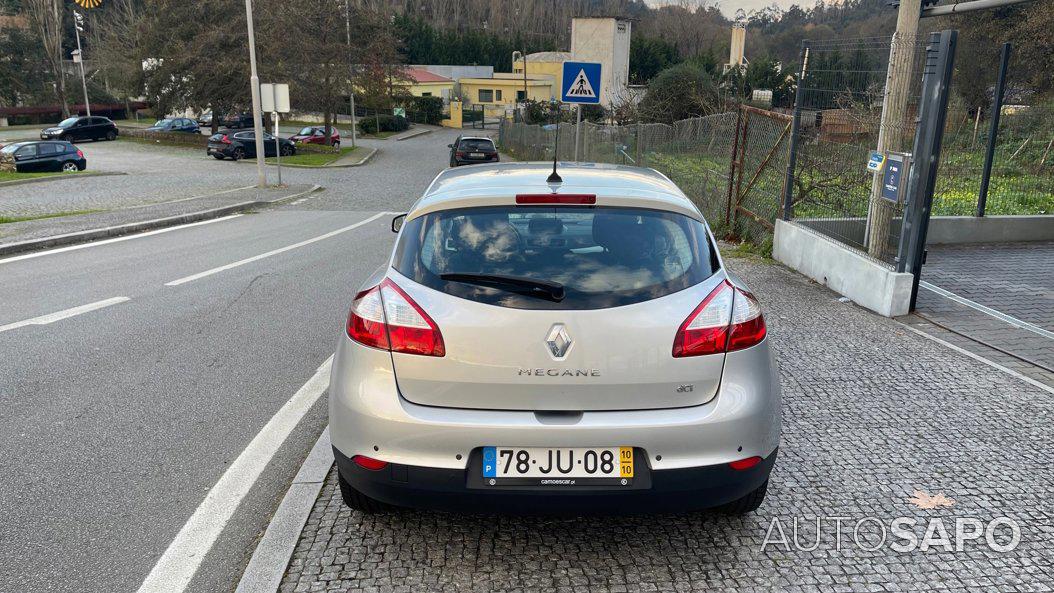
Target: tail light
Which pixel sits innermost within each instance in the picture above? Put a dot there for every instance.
(459, 154)
(80, 154)
(385, 317)
(225, 139)
(727, 320)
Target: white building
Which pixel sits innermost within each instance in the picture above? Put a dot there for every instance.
(605, 40)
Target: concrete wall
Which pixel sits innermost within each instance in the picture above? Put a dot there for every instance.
(950, 230)
(989, 229)
(866, 283)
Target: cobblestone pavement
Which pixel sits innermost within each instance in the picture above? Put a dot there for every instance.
(160, 174)
(872, 413)
(1016, 279)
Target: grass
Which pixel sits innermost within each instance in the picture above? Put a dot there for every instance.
(315, 159)
(10, 219)
(13, 176)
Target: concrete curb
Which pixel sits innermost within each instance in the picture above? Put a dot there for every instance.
(62, 177)
(413, 134)
(271, 557)
(369, 155)
(139, 227)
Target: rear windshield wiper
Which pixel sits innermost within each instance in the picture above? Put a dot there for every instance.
(553, 291)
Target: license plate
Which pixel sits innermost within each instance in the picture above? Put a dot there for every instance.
(542, 466)
(476, 155)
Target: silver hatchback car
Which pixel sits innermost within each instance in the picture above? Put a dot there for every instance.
(554, 346)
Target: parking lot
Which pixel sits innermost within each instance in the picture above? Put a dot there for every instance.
(873, 412)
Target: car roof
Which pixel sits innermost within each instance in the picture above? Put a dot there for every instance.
(476, 138)
(498, 183)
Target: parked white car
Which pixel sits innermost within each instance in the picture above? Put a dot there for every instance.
(540, 346)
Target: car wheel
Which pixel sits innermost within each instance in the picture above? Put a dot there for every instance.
(218, 157)
(358, 501)
(287, 150)
(238, 154)
(746, 504)
(336, 145)
(70, 167)
(111, 135)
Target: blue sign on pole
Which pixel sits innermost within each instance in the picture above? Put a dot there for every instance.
(581, 83)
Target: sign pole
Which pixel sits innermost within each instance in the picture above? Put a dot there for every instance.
(578, 127)
(77, 20)
(277, 147)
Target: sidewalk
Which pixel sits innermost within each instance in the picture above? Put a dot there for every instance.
(872, 412)
(149, 216)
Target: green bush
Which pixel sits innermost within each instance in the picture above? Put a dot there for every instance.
(388, 123)
(424, 110)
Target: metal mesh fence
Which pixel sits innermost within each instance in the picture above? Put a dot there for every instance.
(694, 153)
(841, 100)
(1022, 176)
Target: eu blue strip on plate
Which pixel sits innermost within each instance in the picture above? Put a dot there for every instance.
(490, 462)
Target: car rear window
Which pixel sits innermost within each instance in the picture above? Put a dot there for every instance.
(484, 145)
(600, 256)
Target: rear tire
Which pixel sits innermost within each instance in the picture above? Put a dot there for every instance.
(238, 154)
(358, 501)
(70, 167)
(747, 504)
(111, 135)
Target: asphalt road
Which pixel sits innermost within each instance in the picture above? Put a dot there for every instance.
(119, 420)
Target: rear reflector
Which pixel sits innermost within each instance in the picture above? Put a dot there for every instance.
(385, 317)
(743, 464)
(581, 199)
(369, 463)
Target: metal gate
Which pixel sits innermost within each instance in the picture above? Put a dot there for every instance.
(756, 174)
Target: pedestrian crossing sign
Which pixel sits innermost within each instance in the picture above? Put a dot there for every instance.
(581, 83)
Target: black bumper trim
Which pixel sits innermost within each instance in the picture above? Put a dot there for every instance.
(674, 490)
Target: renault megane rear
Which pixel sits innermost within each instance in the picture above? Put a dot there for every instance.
(572, 345)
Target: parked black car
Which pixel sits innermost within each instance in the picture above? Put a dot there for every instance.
(236, 121)
(175, 124)
(470, 150)
(242, 145)
(36, 156)
(73, 129)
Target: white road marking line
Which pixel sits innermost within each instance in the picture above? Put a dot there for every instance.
(177, 566)
(982, 359)
(115, 240)
(1014, 321)
(65, 314)
(254, 258)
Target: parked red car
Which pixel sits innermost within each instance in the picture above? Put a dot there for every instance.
(316, 135)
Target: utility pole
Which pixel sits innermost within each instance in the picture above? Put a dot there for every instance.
(254, 80)
(892, 132)
(524, 54)
(78, 21)
(351, 69)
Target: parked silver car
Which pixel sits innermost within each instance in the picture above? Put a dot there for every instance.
(554, 346)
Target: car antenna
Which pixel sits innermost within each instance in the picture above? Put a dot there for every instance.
(554, 177)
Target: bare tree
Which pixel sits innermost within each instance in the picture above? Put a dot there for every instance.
(116, 41)
(46, 17)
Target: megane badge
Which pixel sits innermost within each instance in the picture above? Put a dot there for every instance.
(559, 342)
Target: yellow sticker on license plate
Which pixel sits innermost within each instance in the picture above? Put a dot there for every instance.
(625, 457)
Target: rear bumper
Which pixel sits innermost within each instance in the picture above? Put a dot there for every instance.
(368, 416)
(654, 491)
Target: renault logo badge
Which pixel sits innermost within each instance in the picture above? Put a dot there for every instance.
(559, 342)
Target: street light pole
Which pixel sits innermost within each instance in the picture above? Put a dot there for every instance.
(78, 19)
(254, 80)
